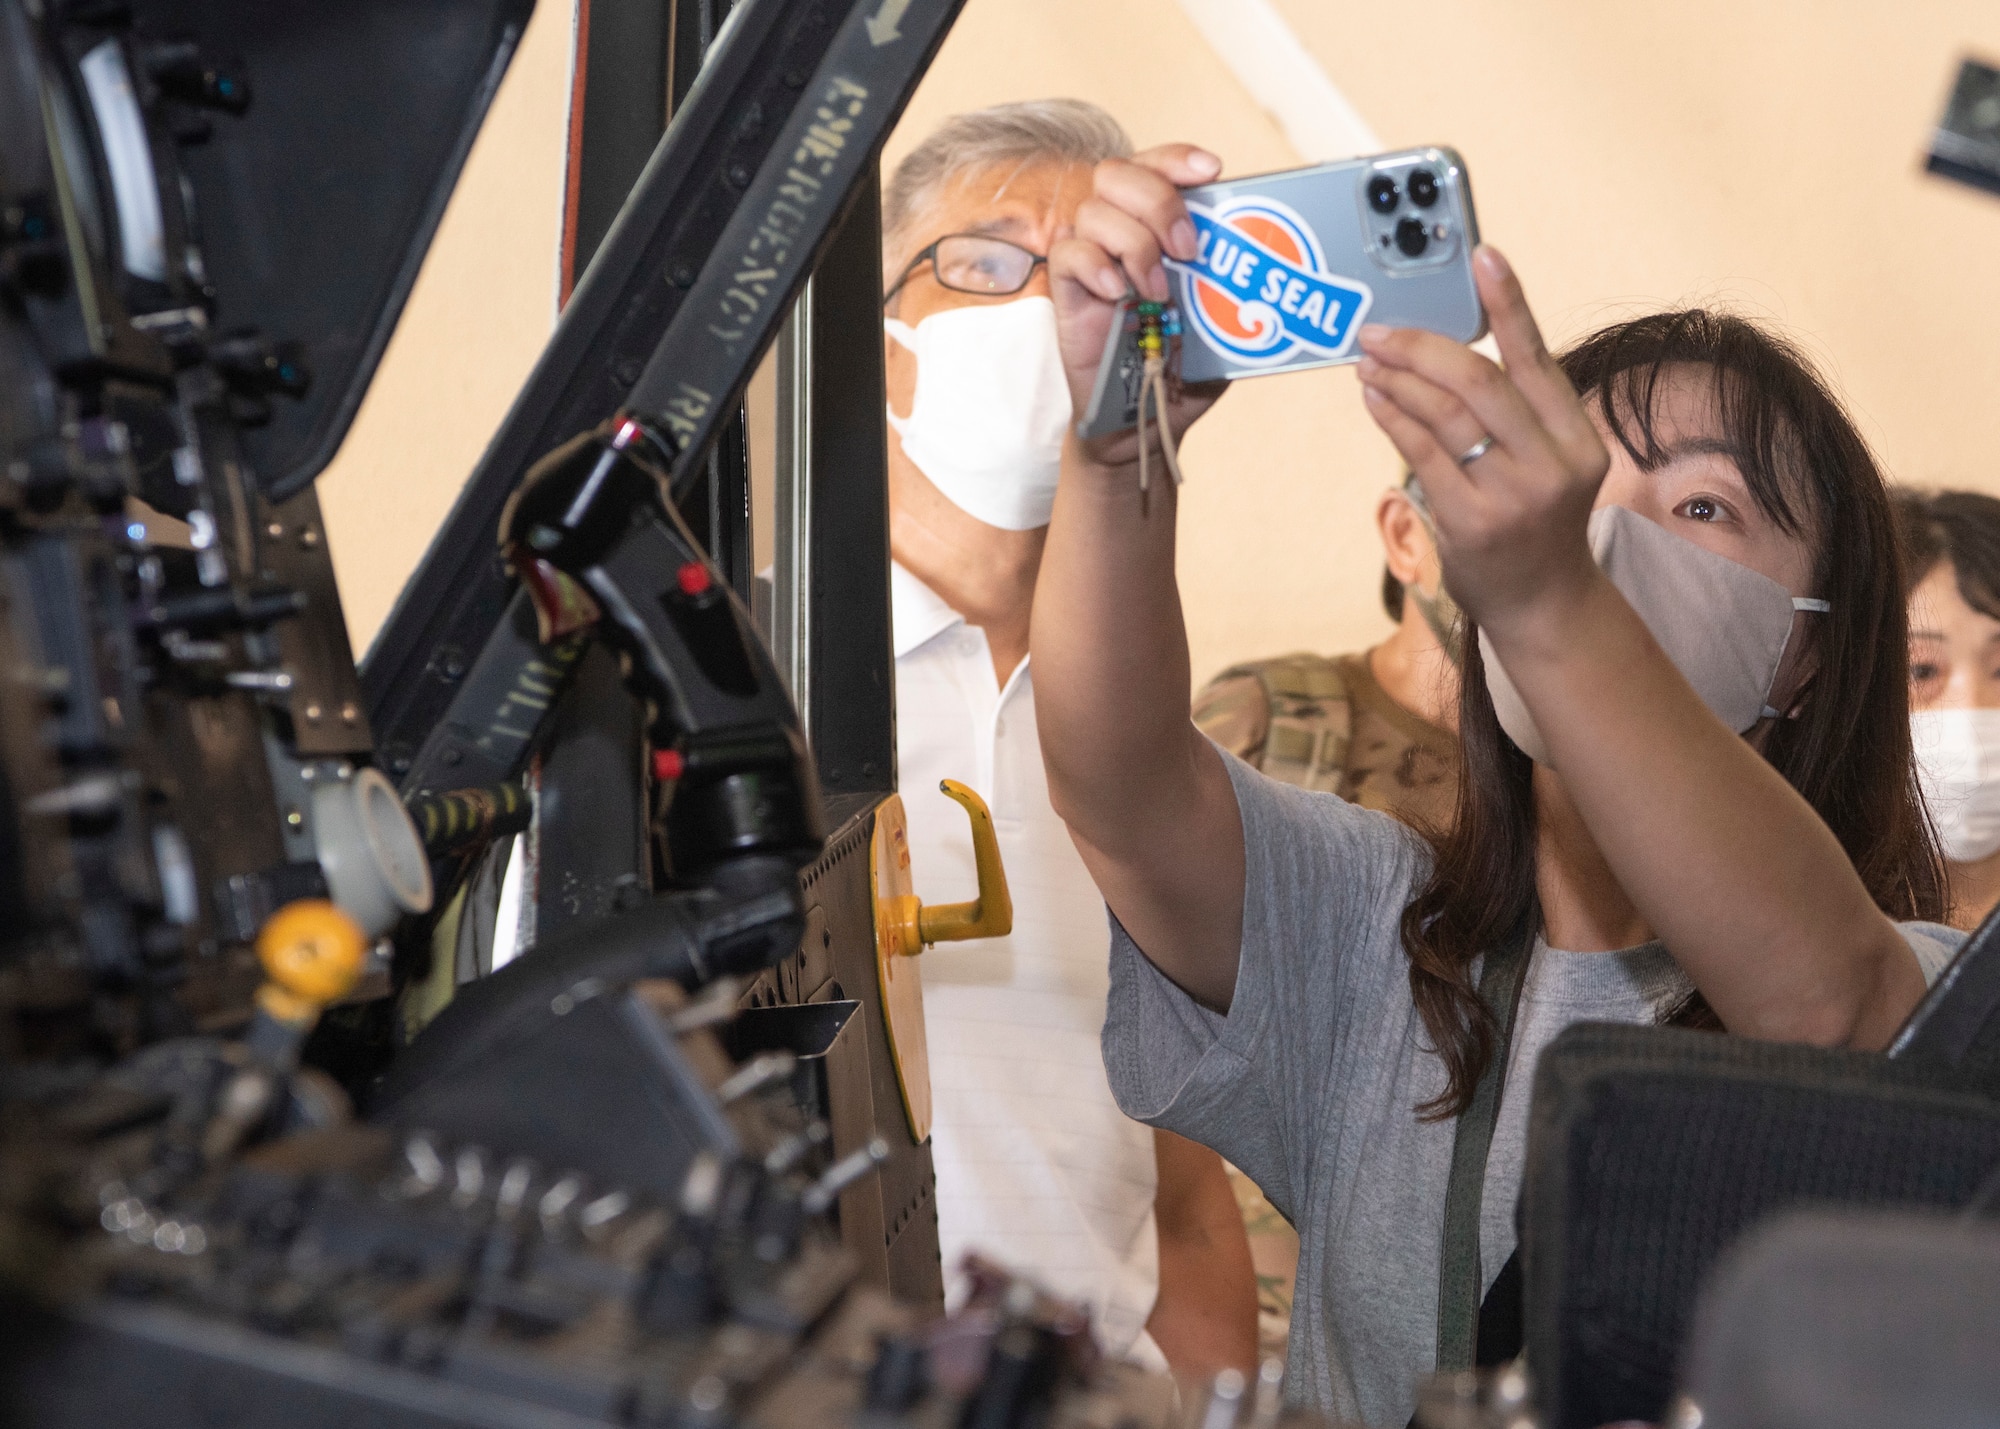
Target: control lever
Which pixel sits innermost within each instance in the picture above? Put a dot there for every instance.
(904, 927)
(910, 927)
(313, 955)
(820, 1196)
(184, 73)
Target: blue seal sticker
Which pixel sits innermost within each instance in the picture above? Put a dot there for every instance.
(1259, 292)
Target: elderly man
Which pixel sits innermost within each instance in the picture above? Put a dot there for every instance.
(1035, 1163)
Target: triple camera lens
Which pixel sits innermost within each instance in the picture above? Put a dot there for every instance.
(1412, 234)
(1384, 197)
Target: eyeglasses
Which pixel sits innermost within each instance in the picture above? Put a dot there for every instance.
(973, 263)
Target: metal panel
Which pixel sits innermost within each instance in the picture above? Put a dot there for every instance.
(626, 49)
(721, 513)
(791, 576)
(327, 716)
(386, 97)
(850, 707)
(896, 1231)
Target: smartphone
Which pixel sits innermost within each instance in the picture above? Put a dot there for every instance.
(1292, 264)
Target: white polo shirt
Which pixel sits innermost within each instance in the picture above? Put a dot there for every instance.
(1036, 1166)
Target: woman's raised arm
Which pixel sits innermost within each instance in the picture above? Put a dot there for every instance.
(1146, 797)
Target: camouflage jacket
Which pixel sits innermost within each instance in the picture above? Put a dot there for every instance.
(1324, 722)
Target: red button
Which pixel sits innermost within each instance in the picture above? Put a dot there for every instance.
(668, 765)
(694, 578)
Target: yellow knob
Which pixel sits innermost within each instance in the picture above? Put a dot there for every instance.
(313, 955)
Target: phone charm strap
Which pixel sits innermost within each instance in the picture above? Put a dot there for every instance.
(1157, 322)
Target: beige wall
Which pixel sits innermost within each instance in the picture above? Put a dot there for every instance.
(1626, 156)
(482, 308)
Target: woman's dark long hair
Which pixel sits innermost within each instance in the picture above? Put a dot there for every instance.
(1847, 750)
(1962, 527)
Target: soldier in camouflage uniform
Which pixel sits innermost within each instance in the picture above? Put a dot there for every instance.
(1378, 728)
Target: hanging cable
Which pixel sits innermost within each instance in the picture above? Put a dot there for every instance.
(1157, 323)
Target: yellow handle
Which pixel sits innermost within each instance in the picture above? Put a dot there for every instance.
(313, 955)
(990, 915)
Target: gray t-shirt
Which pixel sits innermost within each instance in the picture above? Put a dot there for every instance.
(1310, 1083)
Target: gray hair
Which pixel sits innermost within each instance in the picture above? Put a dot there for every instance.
(1065, 130)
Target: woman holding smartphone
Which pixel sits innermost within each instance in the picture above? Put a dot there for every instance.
(1687, 786)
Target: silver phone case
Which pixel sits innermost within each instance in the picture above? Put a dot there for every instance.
(1281, 253)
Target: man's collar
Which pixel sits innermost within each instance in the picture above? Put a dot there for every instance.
(917, 613)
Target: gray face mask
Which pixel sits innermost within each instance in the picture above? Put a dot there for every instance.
(1723, 625)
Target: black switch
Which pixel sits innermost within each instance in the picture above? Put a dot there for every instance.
(184, 73)
(254, 366)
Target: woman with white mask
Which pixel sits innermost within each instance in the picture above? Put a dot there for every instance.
(1951, 554)
(1686, 781)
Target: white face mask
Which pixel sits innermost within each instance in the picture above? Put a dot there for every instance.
(991, 409)
(1958, 768)
(1724, 626)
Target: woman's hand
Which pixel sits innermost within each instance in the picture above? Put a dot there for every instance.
(1133, 219)
(1511, 523)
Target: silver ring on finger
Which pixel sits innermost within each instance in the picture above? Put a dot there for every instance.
(1474, 452)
